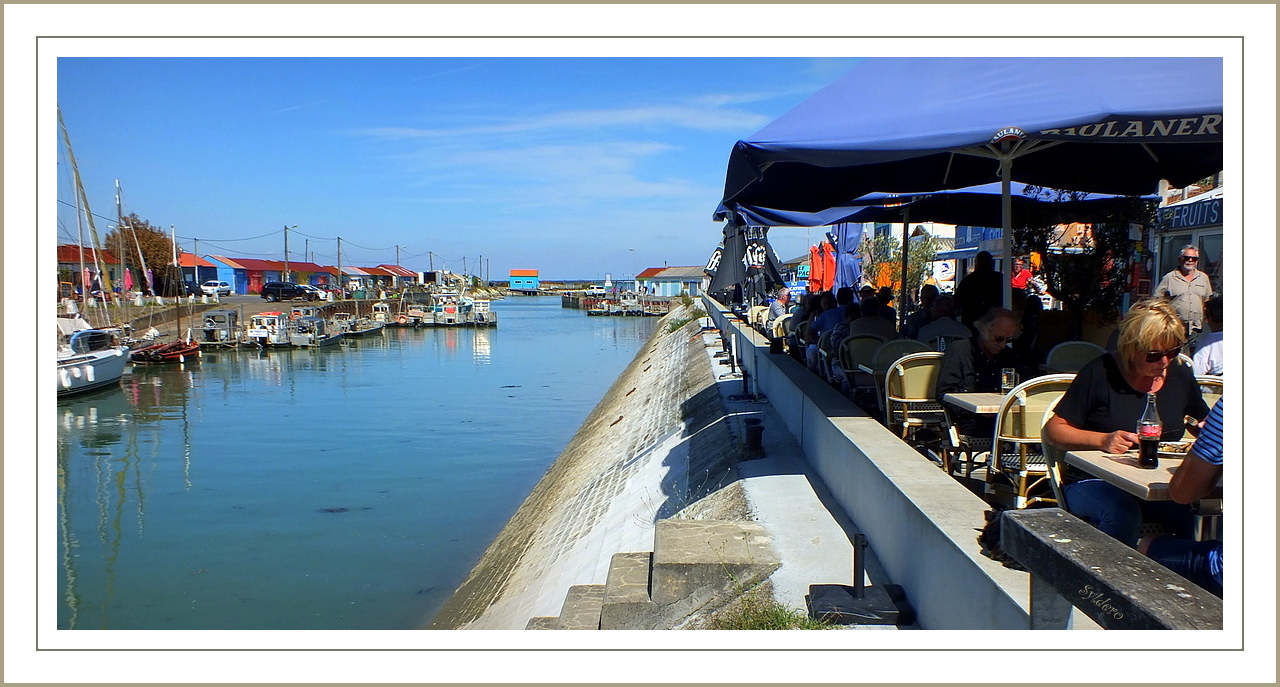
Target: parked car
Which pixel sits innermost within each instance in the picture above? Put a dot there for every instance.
(320, 294)
(214, 287)
(274, 291)
(189, 288)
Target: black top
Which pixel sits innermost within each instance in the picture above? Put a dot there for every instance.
(979, 292)
(965, 367)
(1100, 400)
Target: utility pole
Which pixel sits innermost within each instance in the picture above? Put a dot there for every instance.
(397, 256)
(286, 251)
(431, 263)
(342, 289)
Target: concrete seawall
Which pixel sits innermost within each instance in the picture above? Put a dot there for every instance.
(628, 466)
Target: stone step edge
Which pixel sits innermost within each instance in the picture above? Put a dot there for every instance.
(581, 609)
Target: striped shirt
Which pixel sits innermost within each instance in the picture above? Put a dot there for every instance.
(1209, 443)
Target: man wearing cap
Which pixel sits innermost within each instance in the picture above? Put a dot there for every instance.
(1187, 287)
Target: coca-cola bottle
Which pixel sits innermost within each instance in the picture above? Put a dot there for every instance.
(1149, 430)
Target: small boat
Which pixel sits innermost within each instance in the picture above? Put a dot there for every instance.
(270, 329)
(382, 313)
(350, 325)
(180, 351)
(90, 359)
(221, 329)
(481, 314)
(313, 332)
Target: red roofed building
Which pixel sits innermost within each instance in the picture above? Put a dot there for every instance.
(645, 278)
(196, 269)
(401, 276)
(71, 257)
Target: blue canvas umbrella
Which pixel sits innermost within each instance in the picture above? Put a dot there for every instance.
(848, 240)
(1108, 125)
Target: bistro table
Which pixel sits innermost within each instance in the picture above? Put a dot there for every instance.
(980, 402)
(1121, 470)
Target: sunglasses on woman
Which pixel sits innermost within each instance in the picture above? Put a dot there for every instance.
(1156, 356)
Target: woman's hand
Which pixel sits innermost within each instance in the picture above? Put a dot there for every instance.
(1118, 441)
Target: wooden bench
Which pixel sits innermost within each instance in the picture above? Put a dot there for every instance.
(1074, 564)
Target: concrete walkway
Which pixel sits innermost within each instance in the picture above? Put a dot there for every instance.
(812, 541)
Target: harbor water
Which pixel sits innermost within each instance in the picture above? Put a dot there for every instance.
(348, 487)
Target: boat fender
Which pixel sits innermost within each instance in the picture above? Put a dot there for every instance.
(402, 319)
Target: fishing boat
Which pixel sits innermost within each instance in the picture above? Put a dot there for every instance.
(221, 329)
(180, 351)
(270, 329)
(350, 325)
(89, 359)
(481, 314)
(313, 332)
(382, 313)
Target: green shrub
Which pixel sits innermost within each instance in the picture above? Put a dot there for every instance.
(678, 323)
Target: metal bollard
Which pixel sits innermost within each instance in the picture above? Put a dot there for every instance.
(755, 436)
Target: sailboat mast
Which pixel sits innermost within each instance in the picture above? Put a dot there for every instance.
(84, 198)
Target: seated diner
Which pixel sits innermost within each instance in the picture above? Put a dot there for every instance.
(1101, 409)
(975, 364)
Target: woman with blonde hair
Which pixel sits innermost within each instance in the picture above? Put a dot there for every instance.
(1101, 408)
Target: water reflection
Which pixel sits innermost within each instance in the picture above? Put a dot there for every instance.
(480, 345)
(97, 424)
(321, 488)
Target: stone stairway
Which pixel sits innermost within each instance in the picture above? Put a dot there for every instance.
(695, 565)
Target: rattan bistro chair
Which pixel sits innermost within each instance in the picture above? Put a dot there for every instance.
(853, 351)
(1021, 471)
(910, 404)
(1211, 390)
(1070, 356)
(889, 352)
(780, 326)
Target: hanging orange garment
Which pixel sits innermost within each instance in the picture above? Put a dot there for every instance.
(828, 267)
(815, 270)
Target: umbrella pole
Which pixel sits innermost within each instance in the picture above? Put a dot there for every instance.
(1006, 222)
(902, 294)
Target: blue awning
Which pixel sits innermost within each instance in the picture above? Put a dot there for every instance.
(957, 254)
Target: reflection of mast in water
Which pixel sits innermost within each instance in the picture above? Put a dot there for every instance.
(480, 346)
(186, 442)
(91, 420)
(69, 543)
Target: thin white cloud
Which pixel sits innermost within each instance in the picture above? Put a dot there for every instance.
(712, 118)
(452, 71)
(298, 107)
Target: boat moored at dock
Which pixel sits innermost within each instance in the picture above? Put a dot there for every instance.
(221, 329)
(313, 331)
(268, 329)
(90, 359)
(178, 351)
(350, 325)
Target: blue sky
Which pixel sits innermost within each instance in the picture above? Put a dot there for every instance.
(575, 166)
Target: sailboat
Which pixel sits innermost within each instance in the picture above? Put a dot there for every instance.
(88, 358)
